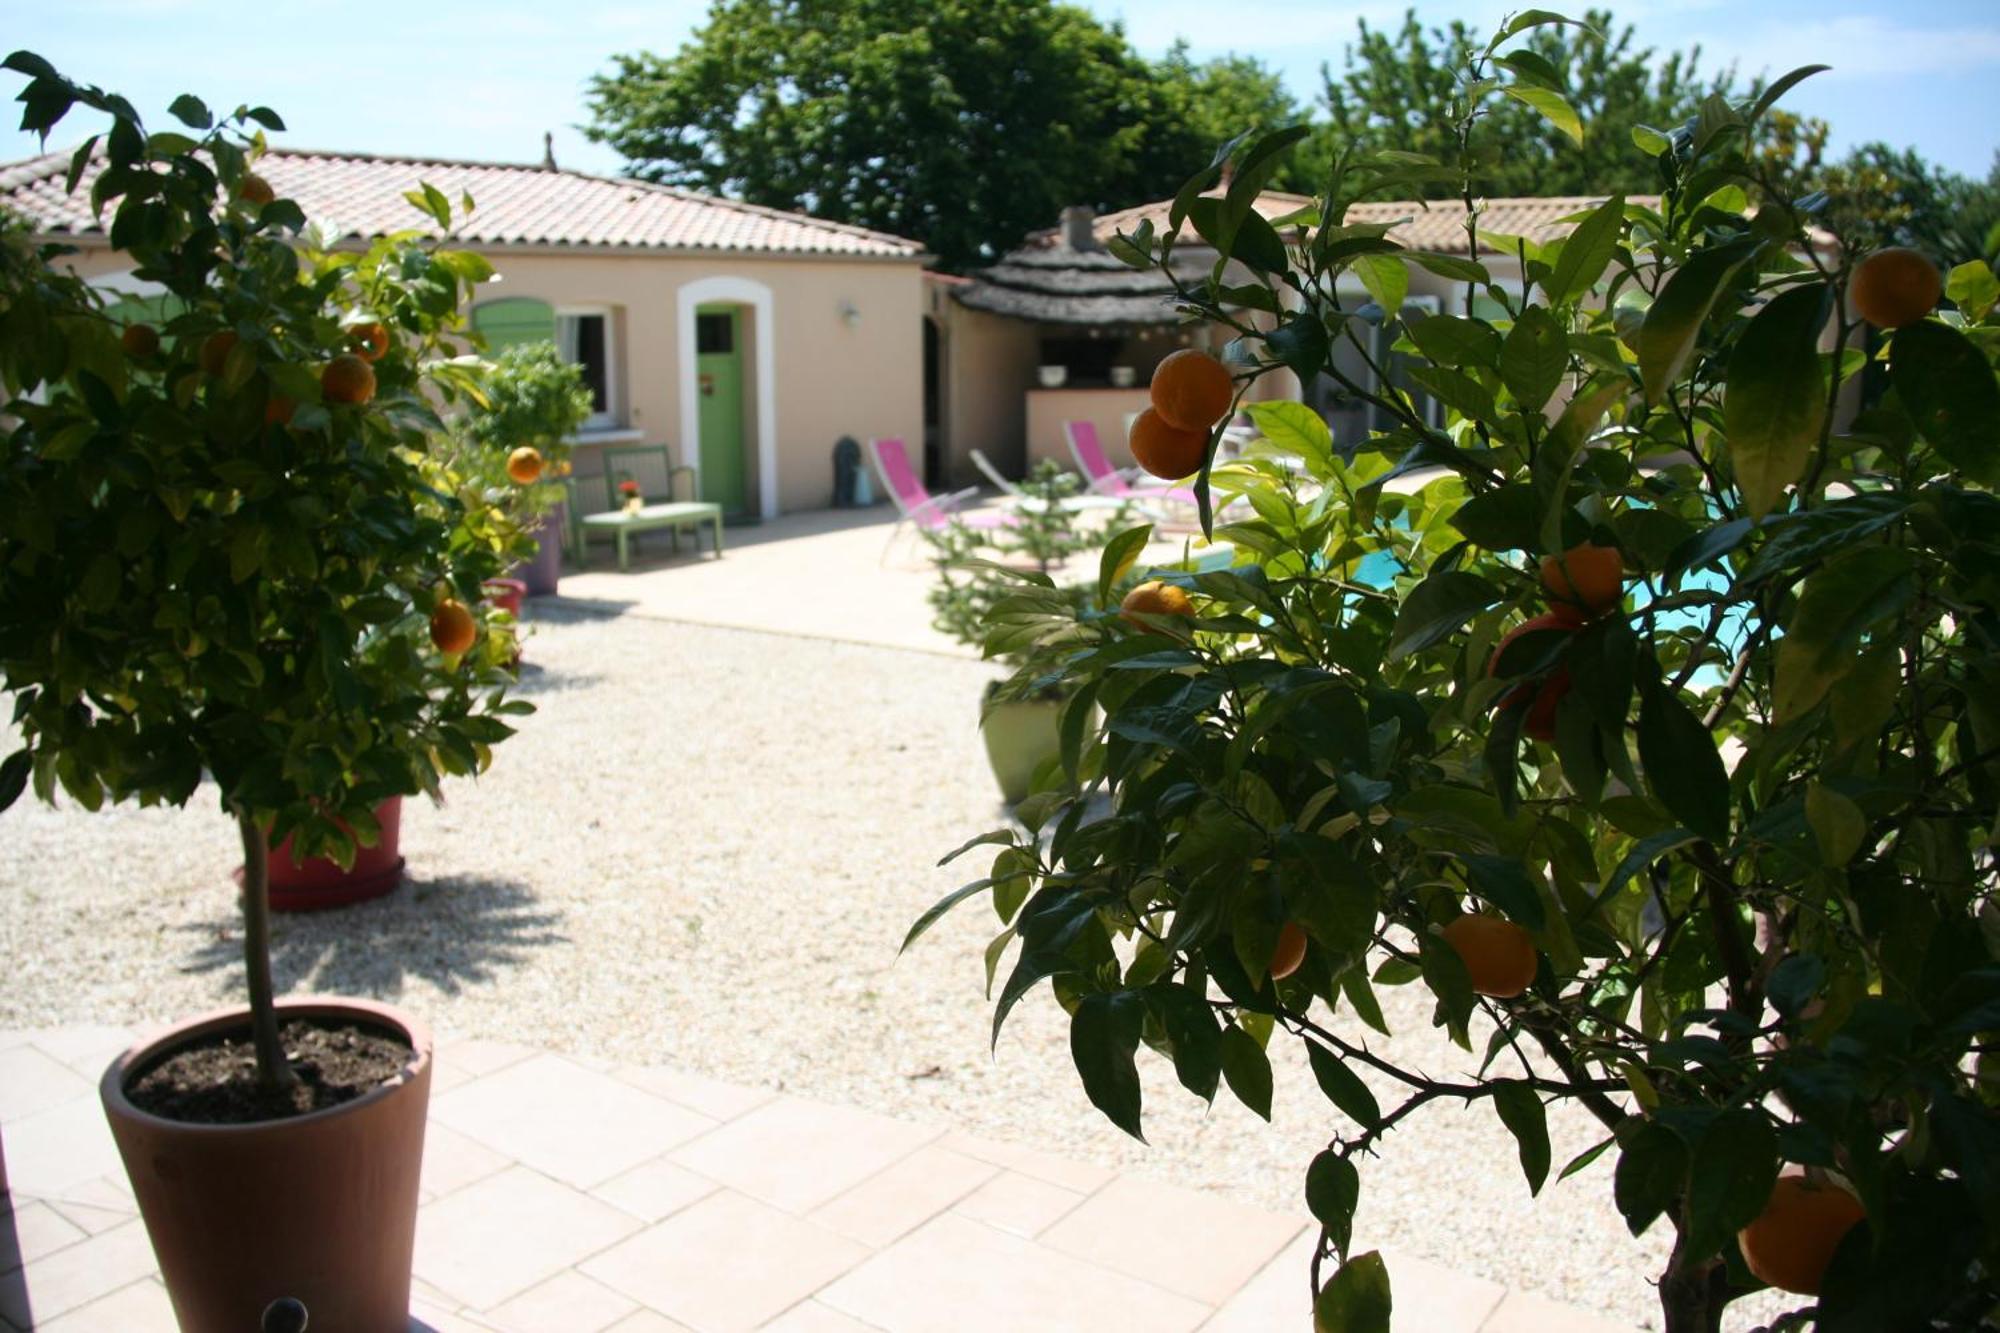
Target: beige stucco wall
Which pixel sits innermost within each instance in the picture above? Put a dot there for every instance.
(988, 366)
(829, 379)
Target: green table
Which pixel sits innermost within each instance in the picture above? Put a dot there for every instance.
(673, 515)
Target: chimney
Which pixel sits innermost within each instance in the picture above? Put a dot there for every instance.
(548, 151)
(1077, 230)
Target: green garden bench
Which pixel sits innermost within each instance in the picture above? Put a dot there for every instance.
(652, 467)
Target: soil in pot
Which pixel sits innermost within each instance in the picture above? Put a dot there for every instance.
(214, 1081)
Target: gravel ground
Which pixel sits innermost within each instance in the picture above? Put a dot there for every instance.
(703, 852)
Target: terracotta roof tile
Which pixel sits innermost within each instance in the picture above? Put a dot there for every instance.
(361, 195)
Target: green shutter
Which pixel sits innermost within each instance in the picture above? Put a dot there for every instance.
(130, 309)
(514, 320)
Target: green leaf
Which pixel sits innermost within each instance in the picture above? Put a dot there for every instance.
(1248, 1069)
(1453, 340)
(1533, 358)
(1973, 289)
(1522, 1112)
(1838, 605)
(1506, 519)
(1343, 1087)
(1356, 1299)
(1444, 972)
(1456, 267)
(1735, 1164)
(1584, 1159)
(1587, 251)
(1837, 824)
(1673, 322)
(1387, 280)
(1650, 141)
(1504, 882)
(1437, 607)
(1555, 108)
(1949, 389)
(1774, 401)
(1683, 765)
(1295, 428)
(1783, 85)
(1120, 552)
(14, 770)
(191, 111)
(1103, 1039)
(1195, 1034)
(943, 905)
(1649, 1176)
(1333, 1190)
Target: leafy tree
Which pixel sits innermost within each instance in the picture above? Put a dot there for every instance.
(1884, 196)
(1395, 89)
(223, 538)
(963, 124)
(1206, 103)
(533, 398)
(1708, 854)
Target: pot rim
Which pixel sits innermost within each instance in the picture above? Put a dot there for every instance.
(111, 1087)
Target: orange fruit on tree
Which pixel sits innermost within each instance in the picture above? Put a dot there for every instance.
(1499, 956)
(1154, 598)
(524, 465)
(255, 190)
(140, 341)
(1164, 450)
(1894, 287)
(278, 410)
(1541, 720)
(452, 627)
(347, 379)
(1791, 1242)
(215, 351)
(1190, 390)
(369, 338)
(1586, 579)
(1289, 952)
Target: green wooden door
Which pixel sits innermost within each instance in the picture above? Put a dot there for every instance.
(718, 331)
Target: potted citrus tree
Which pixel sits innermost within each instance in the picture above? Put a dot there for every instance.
(1018, 726)
(230, 569)
(1667, 762)
(534, 403)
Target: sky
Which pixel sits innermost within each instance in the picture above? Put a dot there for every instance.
(458, 79)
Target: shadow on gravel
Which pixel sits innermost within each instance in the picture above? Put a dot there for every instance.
(568, 610)
(449, 932)
(535, 680)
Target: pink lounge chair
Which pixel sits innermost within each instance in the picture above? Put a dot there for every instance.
(916, 505)
(1105, 479)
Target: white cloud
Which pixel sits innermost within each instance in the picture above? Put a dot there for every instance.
(1856, 45)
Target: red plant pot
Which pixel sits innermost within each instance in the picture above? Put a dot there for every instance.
(316, 883)
(506, 594)
(321, 1208)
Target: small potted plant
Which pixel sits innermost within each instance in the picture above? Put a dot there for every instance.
(629, 493)
(1019, 726)
(534, 403)
(232, 566)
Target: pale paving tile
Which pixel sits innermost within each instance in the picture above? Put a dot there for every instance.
(1079, 1176)
(647, 1321)
(903, 1197)
(1526, 1312)
(954, 1275)
(32, 1081)
(142, 1307)
(1199, 1245)
(812, 1317)
(54, 1150)
(96, 1205)
(1428, 1298)
(1018, 1204)
(453, 1161)
(77, 1275)
(495, 1239)
(697, 1092)
(797, 1154)
(35, 1230)
(566, 1121)
(726, 1264)
(87, 1048)
(12, 1037)
(567, 1303)
(655, 1190)
(429, 1317)
(479, 1056)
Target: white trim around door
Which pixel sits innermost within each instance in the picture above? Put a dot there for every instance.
(757, 296)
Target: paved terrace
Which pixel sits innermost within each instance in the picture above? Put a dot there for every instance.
(577, 1196)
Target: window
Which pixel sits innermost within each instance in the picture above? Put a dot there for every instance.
(584, 339)
(714, 333)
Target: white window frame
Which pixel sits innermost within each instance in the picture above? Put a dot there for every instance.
(608, 418)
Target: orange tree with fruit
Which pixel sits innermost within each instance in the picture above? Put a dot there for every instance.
(519, 437)
(1645, 712)
(229, 559)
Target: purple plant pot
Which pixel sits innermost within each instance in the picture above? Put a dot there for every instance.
(542, 573)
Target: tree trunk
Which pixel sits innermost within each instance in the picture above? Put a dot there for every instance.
(273, 1070)
(1692, 1295)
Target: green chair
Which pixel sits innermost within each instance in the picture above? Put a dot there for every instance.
(659, 483)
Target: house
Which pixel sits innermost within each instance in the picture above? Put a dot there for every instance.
(1062, 300)
(747, 339)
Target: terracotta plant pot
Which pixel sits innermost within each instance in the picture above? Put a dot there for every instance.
(315, 884)
(1020, 735)
(322, 1207)
(506, 594)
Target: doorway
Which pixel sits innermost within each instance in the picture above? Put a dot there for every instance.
(718, 333)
